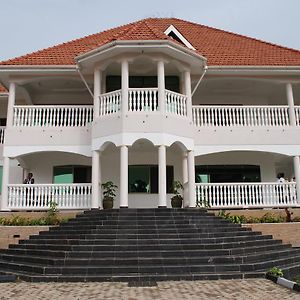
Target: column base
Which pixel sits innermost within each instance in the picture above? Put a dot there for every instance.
(122, 207)
(162, 206)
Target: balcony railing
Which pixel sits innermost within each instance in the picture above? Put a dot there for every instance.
(110, 103)
(52, 116)
(39, 196)
(246, 195)
(145, 100)
(2, 131)
(222, 116)
(176, 103)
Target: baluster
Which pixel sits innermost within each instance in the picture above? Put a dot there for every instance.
(286, 114)
(276, 117)
(130, 100)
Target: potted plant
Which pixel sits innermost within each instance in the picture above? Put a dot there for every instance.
(109, 194)
(176, 200)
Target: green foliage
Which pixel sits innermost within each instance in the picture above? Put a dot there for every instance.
(109, 189)
(271, 218)
(234, 219)
(241, 219)
(297, 279)
(50, 218)
(177, 187)
(275, 272)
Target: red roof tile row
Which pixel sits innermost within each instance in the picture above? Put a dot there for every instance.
(221, 48)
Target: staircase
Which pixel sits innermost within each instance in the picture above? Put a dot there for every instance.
(146, 245)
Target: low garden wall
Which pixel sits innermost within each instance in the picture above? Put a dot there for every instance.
(289, 233)
(12, 234)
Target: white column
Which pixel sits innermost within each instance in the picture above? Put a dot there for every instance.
(124, 176)
(162, 176)
(191, 184)
(188, 92)
(97, 92)
(185, 180)
(290, 99)
(5, 182)
(96, 180)
(161, 86)
(297, 175)
(10, 104)
(124, 86)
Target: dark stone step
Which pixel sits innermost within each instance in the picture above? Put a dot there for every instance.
(234, 232)
(144, 241)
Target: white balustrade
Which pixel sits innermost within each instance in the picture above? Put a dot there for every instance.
(297, 115)
(110, 103)
(144, 99)
(241, 116)
(39, 196)
(2, 131)
(244, 195)
(176, 103)
(52, 116)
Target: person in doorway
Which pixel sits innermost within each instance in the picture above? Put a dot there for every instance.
(29, 179)
(29, 191)
(280, 178)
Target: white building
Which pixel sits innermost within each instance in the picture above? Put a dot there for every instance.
(145, 104)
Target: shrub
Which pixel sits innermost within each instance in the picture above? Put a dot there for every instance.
(297, 279)
(271, 218)
(275, 272)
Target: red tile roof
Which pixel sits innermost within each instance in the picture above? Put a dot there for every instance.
(2, 89)
(220, 47)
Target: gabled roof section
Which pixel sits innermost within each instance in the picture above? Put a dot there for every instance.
(171, 31)
(221, 48)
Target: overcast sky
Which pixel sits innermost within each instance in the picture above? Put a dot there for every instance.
(29, 25)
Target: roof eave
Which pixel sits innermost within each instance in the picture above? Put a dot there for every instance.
(246, 69)
(90, 54)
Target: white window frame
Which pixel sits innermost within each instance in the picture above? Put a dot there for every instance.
(172, 29)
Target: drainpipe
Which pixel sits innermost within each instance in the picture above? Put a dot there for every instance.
(84, 81)
(199, 81)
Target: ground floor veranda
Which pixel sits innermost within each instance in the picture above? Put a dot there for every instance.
(145, 173)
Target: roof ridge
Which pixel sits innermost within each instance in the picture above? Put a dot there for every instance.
(237, 34)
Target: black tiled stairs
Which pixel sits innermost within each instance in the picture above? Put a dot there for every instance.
(146, 245)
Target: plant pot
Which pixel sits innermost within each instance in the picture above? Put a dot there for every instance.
(108, 203)
(176, 201)
(272, 277)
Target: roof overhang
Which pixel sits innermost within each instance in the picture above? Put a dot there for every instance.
(162, 47)
(253, 70)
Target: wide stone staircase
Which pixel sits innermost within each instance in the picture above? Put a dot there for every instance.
(146, 245)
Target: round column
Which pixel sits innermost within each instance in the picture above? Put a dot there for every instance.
(188, 92)
(124, 86)
(10, 104)
(162, 177)
(290, 98)
(191, 183)
(97, 92)
(5, 182)
(185, 180)
(123, 176)
(161, 86)
(297, 176)
(96, 188)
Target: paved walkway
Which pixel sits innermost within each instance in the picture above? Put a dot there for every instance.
(225, 289)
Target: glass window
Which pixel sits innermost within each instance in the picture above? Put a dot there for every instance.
(227, 173)
(113, 83)
(1, 174)
(144, 179)
(72, 174)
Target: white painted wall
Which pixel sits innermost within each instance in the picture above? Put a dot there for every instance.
(41, 164)
(266, 161)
